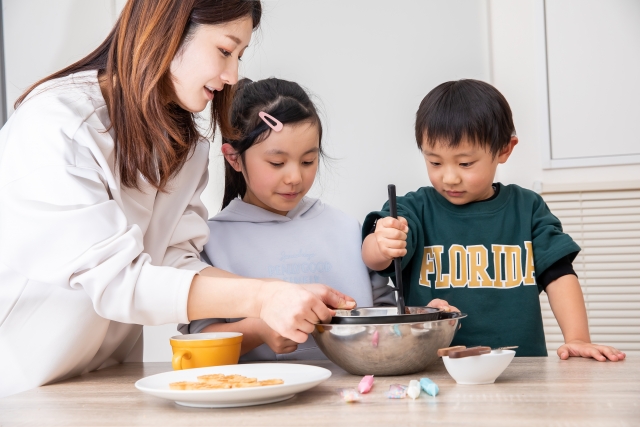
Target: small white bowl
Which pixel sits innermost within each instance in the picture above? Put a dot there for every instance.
(483, 369)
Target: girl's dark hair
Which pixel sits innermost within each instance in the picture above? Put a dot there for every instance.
(465, 109)
(284, 100)
(136, 58)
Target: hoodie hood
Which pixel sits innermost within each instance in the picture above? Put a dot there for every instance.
(239, 211)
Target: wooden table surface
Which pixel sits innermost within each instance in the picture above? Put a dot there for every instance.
(531, 391)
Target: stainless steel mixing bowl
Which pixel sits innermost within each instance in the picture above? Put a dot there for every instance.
(386, 349)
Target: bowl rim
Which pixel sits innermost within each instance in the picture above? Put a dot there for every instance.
(206, 336)
(443, 316)
(428, 314)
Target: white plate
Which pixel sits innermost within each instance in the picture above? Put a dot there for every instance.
(296, 378)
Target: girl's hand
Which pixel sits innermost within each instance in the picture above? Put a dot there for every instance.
(293, 310)
(275, 341)
(391, 237)
(579, 348)
(440, 303)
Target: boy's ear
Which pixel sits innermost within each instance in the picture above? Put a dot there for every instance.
(507, 150)
(231, 156)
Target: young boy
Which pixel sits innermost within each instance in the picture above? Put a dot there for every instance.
(485, 247)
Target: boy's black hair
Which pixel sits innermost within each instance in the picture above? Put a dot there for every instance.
(286, 101)
(468, 109)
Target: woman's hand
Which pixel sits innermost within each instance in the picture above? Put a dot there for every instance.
(331, 297)
(290, 310)
(293, 310)
(601, 353)
(282, 345)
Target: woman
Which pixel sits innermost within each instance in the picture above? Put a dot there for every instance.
(101, 223)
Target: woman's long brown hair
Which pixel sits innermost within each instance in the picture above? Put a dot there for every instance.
(154, 136)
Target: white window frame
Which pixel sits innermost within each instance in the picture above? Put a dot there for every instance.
(542, 73)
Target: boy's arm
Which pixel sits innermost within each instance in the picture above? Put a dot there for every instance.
(372, 256)
(387, 242)
(567, 304)
(255, 332)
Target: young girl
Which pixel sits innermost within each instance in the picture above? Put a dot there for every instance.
(268, 228)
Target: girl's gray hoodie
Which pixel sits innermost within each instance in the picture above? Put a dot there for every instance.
(313, 243)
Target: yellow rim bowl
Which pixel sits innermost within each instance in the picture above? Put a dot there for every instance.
(208, 349)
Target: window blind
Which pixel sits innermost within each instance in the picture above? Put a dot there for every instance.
(604, 219)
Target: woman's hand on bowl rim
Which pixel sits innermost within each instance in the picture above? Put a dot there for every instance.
(293, 310)
(331, 297)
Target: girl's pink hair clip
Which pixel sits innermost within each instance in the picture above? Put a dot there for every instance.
(268, 119)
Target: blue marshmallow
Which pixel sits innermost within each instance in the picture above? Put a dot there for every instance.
(429, 386)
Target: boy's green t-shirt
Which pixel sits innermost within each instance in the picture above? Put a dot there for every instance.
(454, 251)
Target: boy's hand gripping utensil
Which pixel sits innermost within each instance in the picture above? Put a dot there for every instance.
(397, 262)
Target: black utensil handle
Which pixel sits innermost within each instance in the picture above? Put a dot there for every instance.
(397, 262)
(393, 205)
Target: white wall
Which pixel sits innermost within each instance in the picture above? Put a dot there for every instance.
(369, 64)
(43, 36)
(515, 72)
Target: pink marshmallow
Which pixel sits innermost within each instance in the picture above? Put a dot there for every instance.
(365, 384)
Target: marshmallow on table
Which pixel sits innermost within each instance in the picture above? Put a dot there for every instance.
(365, 384)
(413, 391)
(429, 386)
(349, 395)
(397, 391)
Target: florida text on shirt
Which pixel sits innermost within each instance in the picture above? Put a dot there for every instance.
(475, 266)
